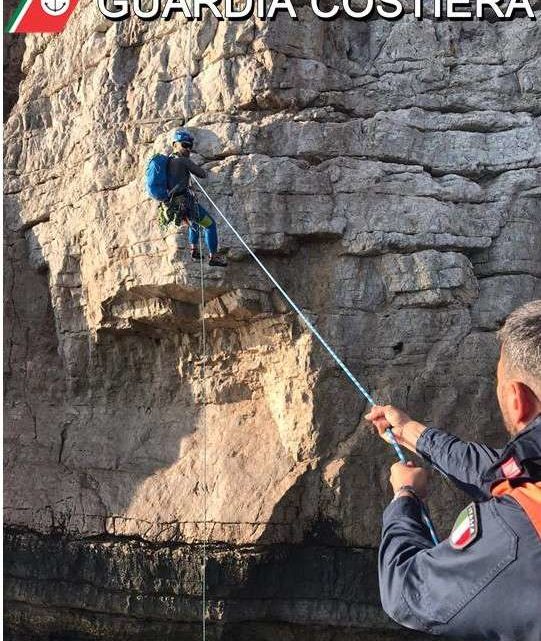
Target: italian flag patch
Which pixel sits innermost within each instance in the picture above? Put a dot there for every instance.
(465, 529)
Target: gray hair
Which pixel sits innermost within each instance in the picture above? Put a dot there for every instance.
(520, 338)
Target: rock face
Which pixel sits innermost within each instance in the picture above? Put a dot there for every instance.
(388, 173)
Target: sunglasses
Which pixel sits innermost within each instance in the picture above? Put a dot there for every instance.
(186, 145)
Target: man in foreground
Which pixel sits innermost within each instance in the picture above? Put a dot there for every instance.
(484, 581)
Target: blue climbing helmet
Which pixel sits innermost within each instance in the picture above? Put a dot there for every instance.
(181, 135)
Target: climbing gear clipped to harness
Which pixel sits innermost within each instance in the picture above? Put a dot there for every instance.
(157, 178)
(187, 205)
(165, 216)
(180, 208)
(204, 221)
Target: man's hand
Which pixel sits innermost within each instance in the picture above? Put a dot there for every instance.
(405, 429)
(385, 416)
(408, 474)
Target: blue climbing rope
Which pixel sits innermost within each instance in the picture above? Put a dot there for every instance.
(323, 342)
(402, 457)
(310, 326)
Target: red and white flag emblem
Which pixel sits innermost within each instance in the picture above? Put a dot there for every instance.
(40, 16)
(465, 529)
(510, 468)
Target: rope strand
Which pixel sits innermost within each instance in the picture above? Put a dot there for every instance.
(187, 103)
(303, 317)
(323, 342)
(204, 400)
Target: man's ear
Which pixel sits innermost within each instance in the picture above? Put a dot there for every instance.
(525, 403)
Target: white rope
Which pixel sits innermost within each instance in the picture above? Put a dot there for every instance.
(204, 401)
(333, 354)
(187, 113)
(288, 298)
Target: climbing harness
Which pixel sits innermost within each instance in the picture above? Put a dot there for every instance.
(323, 342)
(178, 207)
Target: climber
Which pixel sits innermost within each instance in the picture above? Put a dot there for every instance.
(484, 581)
(182, 206)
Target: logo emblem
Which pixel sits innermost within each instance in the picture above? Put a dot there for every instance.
(55, 7)
(465, 529)
(41, 16)
(510, 468)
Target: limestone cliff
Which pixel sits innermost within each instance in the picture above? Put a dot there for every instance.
(388, 173)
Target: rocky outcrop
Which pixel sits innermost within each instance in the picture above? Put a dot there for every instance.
(387, 173)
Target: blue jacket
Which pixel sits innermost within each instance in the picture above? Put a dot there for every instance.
(489, 590)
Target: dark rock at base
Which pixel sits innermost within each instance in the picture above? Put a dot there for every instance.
(67, 589)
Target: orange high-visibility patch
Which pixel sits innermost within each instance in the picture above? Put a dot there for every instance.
(527, 495)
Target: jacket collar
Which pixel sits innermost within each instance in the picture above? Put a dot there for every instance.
(521, 457)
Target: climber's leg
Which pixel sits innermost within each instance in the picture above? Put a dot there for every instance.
(207, 222)
(193, 239)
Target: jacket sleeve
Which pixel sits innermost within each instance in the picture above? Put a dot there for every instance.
(435, 588)
(195, 169)
(461, 462)
(404, 535)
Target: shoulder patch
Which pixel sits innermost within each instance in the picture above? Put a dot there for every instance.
(466, 528)
(510, 468)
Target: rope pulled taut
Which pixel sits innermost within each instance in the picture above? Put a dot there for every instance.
(402, 458)
(291, 302)
(322, 341)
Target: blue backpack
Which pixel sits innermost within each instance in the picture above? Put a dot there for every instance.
(156, 177)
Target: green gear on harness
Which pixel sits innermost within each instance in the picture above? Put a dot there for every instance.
(179, 209)
(174, 210)
(164, 216)
(205, 221)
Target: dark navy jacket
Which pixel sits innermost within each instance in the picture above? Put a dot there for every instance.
(179, 170)
(491, 589)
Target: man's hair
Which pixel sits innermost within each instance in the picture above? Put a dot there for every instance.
(520, 338)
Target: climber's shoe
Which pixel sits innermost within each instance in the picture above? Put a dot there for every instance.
(195, 253)
(217, 261)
